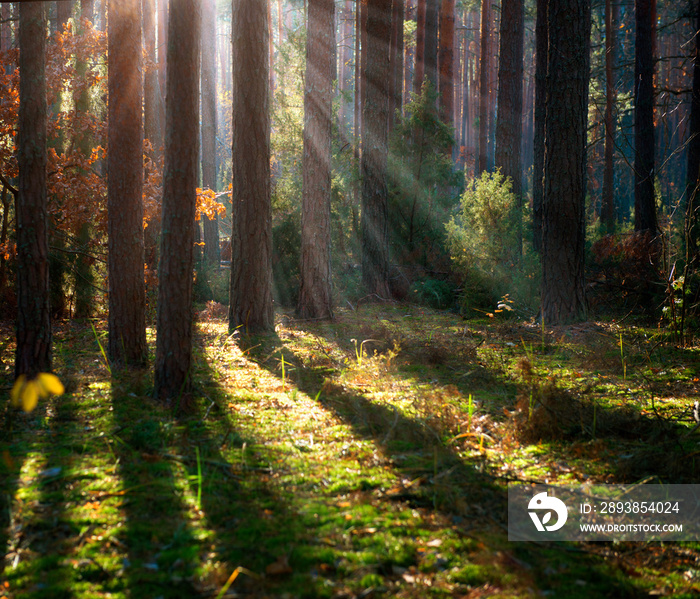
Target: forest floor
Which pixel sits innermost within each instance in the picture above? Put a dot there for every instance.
(366, 457)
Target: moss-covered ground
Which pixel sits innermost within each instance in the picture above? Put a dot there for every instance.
(364, 457)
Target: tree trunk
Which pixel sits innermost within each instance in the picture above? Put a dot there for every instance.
(174, 321)
(64, 9)
(127, 295)
(431, 43)
(509, 127)
(210, 227)
(541, 59)
(33, 354)
(482, 162)
(607, 211)
(419, 56)
(153, 127)
(446, 62)
(692, 195)
(374, 225)
(644, 201)
(251, 239)
(396, 62)
(563, 233)
(315, 299)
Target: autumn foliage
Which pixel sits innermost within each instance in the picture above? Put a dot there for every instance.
(76, 73)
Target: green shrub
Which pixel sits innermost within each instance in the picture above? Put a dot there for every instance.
(484, 244)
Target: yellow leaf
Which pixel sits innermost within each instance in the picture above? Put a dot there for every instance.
(30, 396)
(17, 391)
(50, 383)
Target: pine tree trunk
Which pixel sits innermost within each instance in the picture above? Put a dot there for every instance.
(563, 233)
(608, 202)
(509, 126)
(174, 320)
(374, 225)
(541, 60)
(153, 127)
(251, 241)
(33, 353)
(63, 13)
(431, 43)
(482, 162)
(419, 57)
(644, 176)
(315, 299)
(210, 227)
(446, 62)
(396, 62)
(692, 192)
(127, 295)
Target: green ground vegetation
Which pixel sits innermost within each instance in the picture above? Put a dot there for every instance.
(365, 457)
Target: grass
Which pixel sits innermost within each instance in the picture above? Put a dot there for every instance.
(364, 457)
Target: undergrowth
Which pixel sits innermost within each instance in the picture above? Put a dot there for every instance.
(364, 457)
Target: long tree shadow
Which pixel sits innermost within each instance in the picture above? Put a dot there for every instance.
(45, 532)
(435, 477)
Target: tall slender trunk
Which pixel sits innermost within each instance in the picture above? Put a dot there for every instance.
(127, 296)
(315, 297)
(419, 56)
(446, 62)
(210, 227)
(482, 162)
(608, 201)
(251, 306)
(174, 323)
(33, 353)
(541, 58)
(644, 144)
(509, 127)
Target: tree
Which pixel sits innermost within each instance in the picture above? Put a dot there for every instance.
(446, 61)
(174, 323)
(33, 354)
(419, 56)
(315, 299)
(127, 294)
(563, 239)
(430, 55)
(509, 127)
(396, 62)
(251, 237)
(374, 223)
(541, 57)
(607, 211)
(210, 226)
(644, 202)
(482, 161)
(693, 177)
(153, 126)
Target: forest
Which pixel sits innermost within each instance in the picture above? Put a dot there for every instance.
(294, 293)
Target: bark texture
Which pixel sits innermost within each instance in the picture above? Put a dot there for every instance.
(482, 160)
(251, 306)
(127, 292)
(374, 223)
(644, 202)
(33, 354)
(563, 239)
(509, 125)
(315, 298)
(210, 227)
(541, 60)
(174, 319)
(693, 176)
(607, 209)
